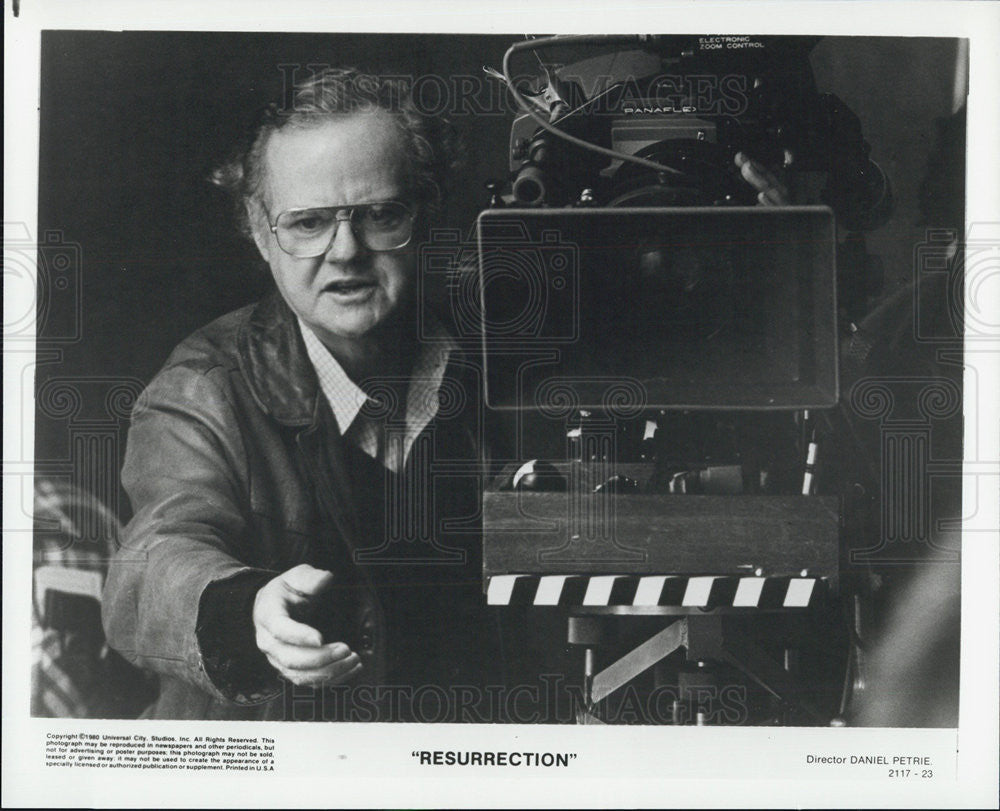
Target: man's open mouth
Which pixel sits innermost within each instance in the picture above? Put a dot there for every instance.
(348, 286)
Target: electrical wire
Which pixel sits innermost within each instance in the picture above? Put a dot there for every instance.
(546, 42)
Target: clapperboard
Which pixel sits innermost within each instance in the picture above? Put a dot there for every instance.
(697, 552)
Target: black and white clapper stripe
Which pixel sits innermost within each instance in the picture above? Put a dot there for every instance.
(651, 590)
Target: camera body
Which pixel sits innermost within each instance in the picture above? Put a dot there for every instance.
(692, 104)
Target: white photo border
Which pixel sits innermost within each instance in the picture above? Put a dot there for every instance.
(353, 765)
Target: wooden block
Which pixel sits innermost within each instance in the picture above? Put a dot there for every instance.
(641, 534)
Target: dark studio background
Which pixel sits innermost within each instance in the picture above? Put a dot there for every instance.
(132, 124)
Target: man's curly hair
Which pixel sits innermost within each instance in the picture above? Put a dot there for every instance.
(430, 141)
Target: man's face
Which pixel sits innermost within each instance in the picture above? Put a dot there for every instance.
(350, 291)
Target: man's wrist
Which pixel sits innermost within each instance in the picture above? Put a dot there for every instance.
(227, 638)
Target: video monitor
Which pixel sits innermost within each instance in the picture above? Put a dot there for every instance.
(671, 308)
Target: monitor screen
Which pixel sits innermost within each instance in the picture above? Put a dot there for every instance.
(637, 308)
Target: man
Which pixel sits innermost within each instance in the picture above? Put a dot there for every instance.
(286, 559)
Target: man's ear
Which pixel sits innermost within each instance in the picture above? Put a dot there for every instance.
(258, 228)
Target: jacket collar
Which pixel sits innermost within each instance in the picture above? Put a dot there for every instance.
(275, 363)
(273, 359)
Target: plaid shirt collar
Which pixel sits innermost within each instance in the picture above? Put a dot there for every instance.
(347, 399)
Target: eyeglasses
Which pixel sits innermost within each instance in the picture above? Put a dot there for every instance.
(308, 232)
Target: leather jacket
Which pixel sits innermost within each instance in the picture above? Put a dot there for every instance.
(235, 467)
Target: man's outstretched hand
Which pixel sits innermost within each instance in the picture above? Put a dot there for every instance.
(294, 649)
(770, 190)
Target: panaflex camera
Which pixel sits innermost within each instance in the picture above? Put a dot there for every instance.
(671, 380)
(658, 121)
(687, 105)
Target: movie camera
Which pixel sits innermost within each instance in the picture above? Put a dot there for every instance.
(662, 353)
